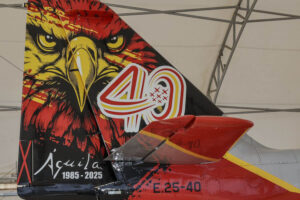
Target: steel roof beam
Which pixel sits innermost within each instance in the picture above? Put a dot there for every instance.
(273, 19)
(12, 64)
(251, 110)
(154, 11)
(272, 13)
(176, 11)
(4, 108)
(180, 12)
(18, 6)
(229, 44)
(147, 11)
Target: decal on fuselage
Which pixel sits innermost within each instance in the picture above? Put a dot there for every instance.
(72, 169)
(134, 95)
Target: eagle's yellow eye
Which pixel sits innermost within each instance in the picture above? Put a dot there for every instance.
(46, 42)
(116, 43)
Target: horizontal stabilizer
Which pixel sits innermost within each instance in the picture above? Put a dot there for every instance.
(183, 140)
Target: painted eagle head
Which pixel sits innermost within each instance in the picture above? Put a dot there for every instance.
(73, 49)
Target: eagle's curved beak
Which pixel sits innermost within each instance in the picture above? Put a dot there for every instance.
(81, 66)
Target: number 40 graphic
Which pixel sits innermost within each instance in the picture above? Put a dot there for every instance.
(135, 94)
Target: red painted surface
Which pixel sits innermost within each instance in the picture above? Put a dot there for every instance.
(168, 127)
(219, 181)
(211, 136)
(206, 136)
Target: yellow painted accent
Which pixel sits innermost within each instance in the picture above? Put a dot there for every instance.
(122, 85)
(81, 67)
(139, 85)
(52, 24)
(125, 108)
(118, 43)
(124, 97)
(179, 148)
(45, 43)
(130, 54)
(103, 116)
(76, 81)
(161, 138)
(159, 108)
(38, 100)
(261, 173)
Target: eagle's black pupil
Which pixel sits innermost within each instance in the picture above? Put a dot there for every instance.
(113, 39)
(49, 38)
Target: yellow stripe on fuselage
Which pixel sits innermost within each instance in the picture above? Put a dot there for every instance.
(261, 173)
(161, 138)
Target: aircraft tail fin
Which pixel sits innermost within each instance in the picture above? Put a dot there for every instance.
(90, 84)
